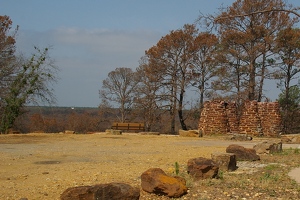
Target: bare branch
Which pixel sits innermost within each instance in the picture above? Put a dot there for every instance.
(261, 11)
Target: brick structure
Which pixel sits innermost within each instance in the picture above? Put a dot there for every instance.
(250, 122)
(218, 117)
(257, 119)
(269, 113)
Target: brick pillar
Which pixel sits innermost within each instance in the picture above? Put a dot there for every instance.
(250, 121)
(231, 112)
(270, 117)
(213, 118)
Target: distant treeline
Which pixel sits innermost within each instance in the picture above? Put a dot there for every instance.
(84, 119)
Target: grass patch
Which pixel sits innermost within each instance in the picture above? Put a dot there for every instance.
(271, 181)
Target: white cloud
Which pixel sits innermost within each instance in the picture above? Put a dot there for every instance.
(85, 57)
(107, 41)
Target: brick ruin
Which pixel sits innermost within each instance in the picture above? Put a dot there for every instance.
(257, 118)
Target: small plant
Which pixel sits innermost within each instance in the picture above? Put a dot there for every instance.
(221, 175)
(272, 167)
(176, 168)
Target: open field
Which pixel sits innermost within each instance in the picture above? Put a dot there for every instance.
(42, 166)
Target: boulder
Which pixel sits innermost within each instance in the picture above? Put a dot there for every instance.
(189, 133)
(155, 180)
(240, 137)
(267, 147)
(242, 153)
(225, 161)
(112, 191)
(202, 168)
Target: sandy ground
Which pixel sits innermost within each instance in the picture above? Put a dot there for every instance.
(42, 166)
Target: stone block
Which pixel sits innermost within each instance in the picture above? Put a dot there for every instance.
(202, 168)
(225, 161)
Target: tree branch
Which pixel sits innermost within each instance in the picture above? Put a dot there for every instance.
(261, 11)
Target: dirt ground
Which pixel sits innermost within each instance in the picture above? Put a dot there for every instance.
(42, 166)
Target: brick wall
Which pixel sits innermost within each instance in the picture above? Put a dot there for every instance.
(258, 118)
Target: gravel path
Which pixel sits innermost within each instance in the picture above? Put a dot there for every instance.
(42, 166)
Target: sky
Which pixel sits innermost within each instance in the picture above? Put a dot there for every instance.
(91, 38)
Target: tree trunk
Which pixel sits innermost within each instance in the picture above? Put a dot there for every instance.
(251, 92)
(180, 112)
(261, 83)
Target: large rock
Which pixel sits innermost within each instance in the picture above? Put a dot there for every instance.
(225, 161)
(156, 181)
(111, 191)
(242, 153)
(202, 168)
(267, 147)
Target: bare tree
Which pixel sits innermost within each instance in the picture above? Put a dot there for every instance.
(251, 26)
(171, 60)
(204, 62)
(119, 89)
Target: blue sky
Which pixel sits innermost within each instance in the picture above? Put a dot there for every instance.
(93, 37)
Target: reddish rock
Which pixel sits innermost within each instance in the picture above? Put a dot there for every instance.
(156, 181)
(111, 191)
(267, 147)
(202, 168)
(242, 153)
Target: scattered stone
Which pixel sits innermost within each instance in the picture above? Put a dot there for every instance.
(242, 153)
(248, 167)
(155, 180)
(202, 168)
(112, 191)
(150, 133)
(23, 199)
(189, 133)
(69, 132)
(268, 147)
(113, 132)
(240, 137)
(225, 161)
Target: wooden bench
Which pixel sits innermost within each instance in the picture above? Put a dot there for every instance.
(128, 126)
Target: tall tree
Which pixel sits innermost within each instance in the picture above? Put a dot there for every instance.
(204, 62)
(119, 88)
(252, 31)
(7, 56)
(172, 58)
(288, 50)
(149, 97)
(290, 113)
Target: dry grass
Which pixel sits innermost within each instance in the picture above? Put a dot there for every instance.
(268, 182)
